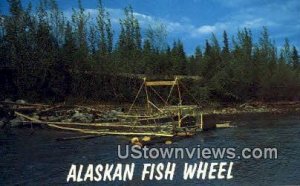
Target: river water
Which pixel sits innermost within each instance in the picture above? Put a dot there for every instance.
(38, 159)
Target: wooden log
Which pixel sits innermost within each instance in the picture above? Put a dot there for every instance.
(160, 83)
(109, 132)
(122, 128)
(111, 125)
(27, 117)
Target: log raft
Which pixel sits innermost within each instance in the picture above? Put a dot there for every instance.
(168, 129)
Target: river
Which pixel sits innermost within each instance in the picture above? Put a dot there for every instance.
(38, 159)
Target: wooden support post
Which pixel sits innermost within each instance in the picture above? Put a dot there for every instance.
(180, 103)
(179, 119)
(201, 121)
(147, 97)
(170, 93)
(179, 93)
(137, 95)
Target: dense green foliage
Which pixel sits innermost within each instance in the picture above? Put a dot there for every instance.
(46, 56)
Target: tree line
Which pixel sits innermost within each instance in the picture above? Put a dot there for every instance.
(48, 56)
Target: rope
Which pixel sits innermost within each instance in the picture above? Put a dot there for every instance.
(155, 106)
(190, 94)
(136, 97)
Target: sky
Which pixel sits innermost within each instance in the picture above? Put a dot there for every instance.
(193, 21)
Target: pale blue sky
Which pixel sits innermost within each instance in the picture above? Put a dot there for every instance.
(193, 21)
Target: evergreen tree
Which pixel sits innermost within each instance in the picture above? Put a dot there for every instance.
(179, 58)
(226, 43)
(149, 63)
(157, 35)
(216, 52)
(225, 49)
(69, 47)
(56, 21)
(286, 52)
(295, 58)
(80, 19)
(129, 44)
(109, 34)
(105, 31)
(52, 58)
(92, 39)
(195, 61)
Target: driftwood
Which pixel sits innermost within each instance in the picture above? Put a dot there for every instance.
(223, 125)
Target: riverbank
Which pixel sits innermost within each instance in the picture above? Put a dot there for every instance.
(256, 107)
(95, 112)
(252, 109)
(228, 111)
(213, 108)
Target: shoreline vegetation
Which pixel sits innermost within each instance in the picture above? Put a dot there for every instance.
(208, 108)
(279, 107)
(49, 57)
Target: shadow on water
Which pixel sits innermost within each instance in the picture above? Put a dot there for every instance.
(40, 159)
